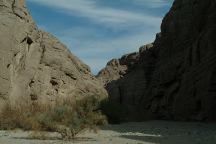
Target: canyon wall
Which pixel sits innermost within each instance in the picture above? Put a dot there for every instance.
(35, 66)
(175, 77)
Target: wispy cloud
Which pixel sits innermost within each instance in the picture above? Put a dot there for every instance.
(100, 14)
(153, 3)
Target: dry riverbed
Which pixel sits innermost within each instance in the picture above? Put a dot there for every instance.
(151, 132)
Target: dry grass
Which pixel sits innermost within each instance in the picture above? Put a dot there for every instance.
(38, 135)
(67, 118)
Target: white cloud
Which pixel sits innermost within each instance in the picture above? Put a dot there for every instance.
(100, 14)
(153, 3)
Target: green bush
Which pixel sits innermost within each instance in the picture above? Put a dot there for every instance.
(45, 120)
(60, 112)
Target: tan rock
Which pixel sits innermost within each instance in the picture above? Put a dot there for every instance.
(35, 66)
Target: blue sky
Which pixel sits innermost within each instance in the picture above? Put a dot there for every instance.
(99, 30)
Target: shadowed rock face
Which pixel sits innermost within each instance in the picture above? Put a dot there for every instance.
(35, 66)
(176, 78)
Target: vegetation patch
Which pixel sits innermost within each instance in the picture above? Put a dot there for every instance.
(68, 118)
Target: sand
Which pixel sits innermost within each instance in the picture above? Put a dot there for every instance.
(151, 132)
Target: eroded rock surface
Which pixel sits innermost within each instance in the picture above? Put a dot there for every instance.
(35, 66)
(176, 78)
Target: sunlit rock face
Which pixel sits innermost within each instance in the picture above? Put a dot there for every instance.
(176, 77)
(35, 66)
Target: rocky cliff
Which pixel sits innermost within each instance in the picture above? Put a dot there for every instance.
(176, 77)
(35, 66)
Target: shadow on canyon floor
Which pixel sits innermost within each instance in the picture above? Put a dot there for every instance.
(167, 132)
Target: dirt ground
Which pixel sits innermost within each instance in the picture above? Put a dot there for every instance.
(151, 132)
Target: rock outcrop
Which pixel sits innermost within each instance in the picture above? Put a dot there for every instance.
(124, 78)
(35, 66)
(176, 78)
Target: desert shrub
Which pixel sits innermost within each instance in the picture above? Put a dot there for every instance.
(45, 120)
(114, 111)
(15, 118)
(60, 112)
(68, 118)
